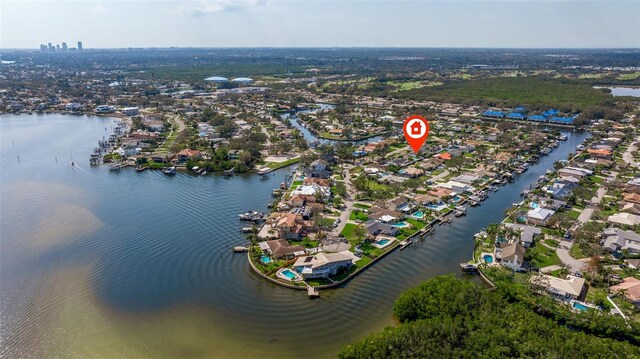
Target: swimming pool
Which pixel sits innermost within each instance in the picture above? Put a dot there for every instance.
(401, 224)
(265, 259)
(579, 306)
(488, 258)
(456, 198)
(289, 274)
(534, 205)
(382, 242)
(418, 214)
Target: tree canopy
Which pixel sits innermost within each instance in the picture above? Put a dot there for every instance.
(450, 318)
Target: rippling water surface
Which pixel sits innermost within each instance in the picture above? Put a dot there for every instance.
(101, 264)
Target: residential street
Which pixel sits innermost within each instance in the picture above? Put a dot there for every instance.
(565, 246)
(628, 157)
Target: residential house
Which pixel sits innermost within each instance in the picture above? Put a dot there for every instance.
(454, 186)
(563, 289)
(511, 255)
(631, 197)
(323, 265)
(616, 239)
(186, 154)
(527, 233)
(633, 208)
(318, 169)
(630, 286)
(375, 228)
(539, 216)
(280, 248)
(164, 157)
(385, 215)
(625, 218)
(130, 111)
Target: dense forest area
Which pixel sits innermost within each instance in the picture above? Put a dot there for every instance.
(450, 318)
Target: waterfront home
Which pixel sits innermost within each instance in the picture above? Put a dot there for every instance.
(539, 216)
(624, 218)
(616, 239)
(318, 169)
(441, 193)
(385, 215)
(600, 153)
(144, 136)
(287, 224)
(186, 154)
(323, 265)
(130, 111)
(510, 255)
(280, 248)
(630, 287)
(163, 157)
(574, 172)
(571, 287)
(153, 125)
(74, 106)
(454, 186)
(527, 233)
(465, 178)
(313, 190)
(426, 199)
(397, 204)
(375, 228)
(561, 189)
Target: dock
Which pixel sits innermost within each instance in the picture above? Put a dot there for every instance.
(406, 243)
(240, 249)
(312, 292)
(117, 166)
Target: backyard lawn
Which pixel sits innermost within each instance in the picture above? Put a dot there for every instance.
(541, 256)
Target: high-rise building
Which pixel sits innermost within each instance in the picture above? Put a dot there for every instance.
(43, 47)
(64, 46)
(58, 47)
(79, 45)
(51, 48)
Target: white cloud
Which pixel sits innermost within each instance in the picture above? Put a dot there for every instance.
(199, 8)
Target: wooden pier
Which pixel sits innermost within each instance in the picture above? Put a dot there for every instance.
(240, 249)
(312, 292)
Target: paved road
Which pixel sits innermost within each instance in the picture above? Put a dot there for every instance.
(627, 156)
(565, 246)
(348, 201)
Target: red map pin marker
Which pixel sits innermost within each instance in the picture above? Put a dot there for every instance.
(416, 131)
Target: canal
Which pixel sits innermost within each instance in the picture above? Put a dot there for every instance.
(123, 264)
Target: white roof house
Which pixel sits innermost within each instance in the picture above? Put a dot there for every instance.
(539, 215)
(625, 218)
(322, 265)
(571, 287)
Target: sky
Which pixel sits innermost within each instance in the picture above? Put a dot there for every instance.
(323, 23)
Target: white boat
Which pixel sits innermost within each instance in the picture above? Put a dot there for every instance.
(169, 170)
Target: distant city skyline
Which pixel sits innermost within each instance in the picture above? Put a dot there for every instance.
(263, 23)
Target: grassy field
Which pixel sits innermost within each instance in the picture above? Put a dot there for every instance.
(276, 165)
(531, 91)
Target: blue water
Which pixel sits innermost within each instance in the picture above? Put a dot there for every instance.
(418, 214)
(488, 259)
(265, 259)
(382, 242)
(145, 259)
(534, 205)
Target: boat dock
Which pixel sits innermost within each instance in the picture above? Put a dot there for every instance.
(240, 249)
(312, 292)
